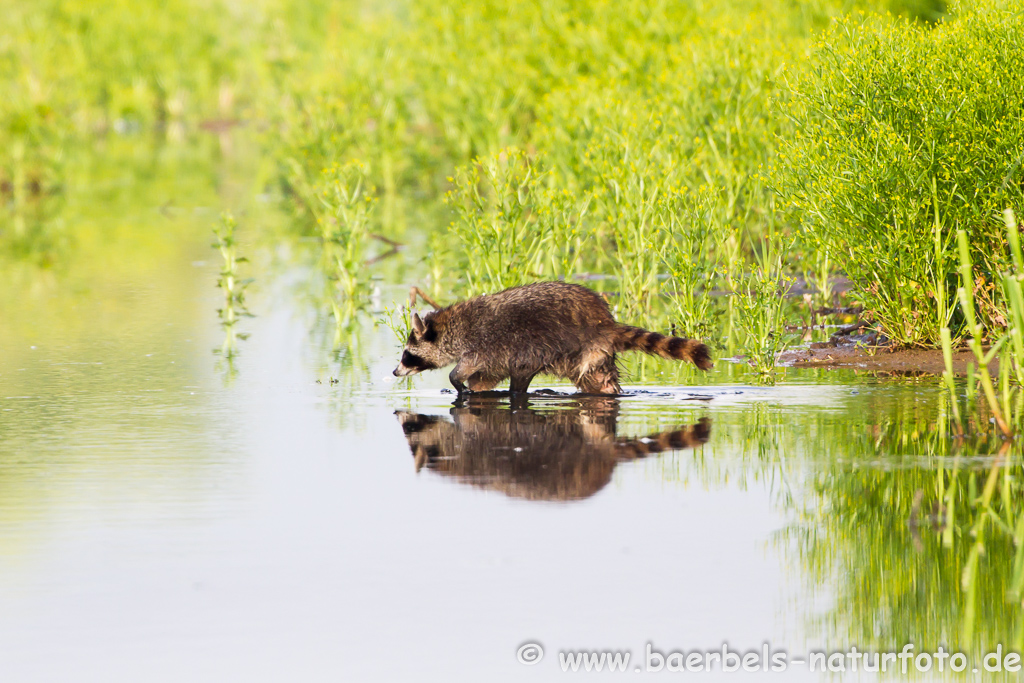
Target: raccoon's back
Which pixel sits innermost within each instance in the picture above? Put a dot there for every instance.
(541, 315)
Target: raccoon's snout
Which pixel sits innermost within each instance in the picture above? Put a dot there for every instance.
(410, 364)
(405, 369)
(402, 371)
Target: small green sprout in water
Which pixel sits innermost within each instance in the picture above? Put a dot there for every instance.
(398, 319)
(232, 286)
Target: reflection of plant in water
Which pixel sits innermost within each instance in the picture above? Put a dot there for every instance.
(232, 286)
(915, 559)
(347, 344)
(28, 207)
(341, 357)
(917, 530)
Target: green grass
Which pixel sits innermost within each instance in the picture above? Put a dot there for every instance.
(638, 139)
(903, 135)
(576, 139)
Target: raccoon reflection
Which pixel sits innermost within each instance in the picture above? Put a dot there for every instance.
(556, 454)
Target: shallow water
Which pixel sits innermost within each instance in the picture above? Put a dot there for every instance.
(300, 515)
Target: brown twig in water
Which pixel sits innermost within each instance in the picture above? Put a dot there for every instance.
(416, 291)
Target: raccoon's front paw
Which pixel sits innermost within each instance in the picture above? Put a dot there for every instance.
(456, 381)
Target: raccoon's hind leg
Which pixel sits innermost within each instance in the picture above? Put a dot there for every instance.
(602, 378)
(480, 382)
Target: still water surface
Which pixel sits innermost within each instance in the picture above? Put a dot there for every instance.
(167, 517)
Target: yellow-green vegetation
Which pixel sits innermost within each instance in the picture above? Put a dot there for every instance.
(575, 139)
(903, 135)
(346, 206)
(545, 140)
(81, 77)
(568, 138)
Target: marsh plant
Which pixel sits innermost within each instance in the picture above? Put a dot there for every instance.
(760, 303)
(983, 408)
(903, 135)
(232, 285)
(565, 139)
(695, 238)
(571, 139)
(501, 241)
(398, 319)
(347, 202)
(638, 221)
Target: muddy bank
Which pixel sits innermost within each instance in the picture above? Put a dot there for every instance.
(878, 359)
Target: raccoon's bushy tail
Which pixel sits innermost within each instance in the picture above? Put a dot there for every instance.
(628, 338)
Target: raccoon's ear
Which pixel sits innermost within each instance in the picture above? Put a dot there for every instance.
(430, 335)
(417, 324)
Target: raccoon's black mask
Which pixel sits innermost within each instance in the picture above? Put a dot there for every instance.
(414, 363)
(423, 335)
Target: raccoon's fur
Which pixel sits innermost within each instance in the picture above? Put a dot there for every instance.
(562, 454)
(553, 328)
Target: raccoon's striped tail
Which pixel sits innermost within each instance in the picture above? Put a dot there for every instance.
(628, 338)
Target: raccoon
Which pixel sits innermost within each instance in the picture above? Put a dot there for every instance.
(564, 453)
(554, 328)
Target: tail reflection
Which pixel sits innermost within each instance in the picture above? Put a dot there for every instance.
(564, 451)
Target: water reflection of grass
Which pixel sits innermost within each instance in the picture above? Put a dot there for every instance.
(916, 528)
(906, 531)
(105, 347)
(910, 566)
